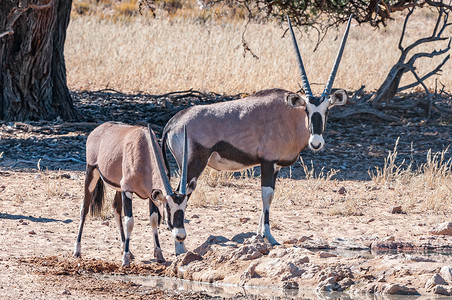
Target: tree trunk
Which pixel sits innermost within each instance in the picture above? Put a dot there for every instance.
(389, 87)
(33, 82)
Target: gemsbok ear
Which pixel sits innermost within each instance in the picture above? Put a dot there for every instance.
(157, 195)
(191, 186)
(295, 100)
(339, 97)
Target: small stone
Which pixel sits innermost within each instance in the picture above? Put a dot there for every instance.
(396, 210)
(323, 254)
(304, 238)
(398, 289)
(342, 191)
(435, 280)
(66, 292)
(293, 285)
(32, 232)
(244, 220)
(195, 216)
(442, 290)
(442, 229)
(189, 257)
(106, 223)
(328, 285)
(446, 273)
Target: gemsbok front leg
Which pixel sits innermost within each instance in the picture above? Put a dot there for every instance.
(117, 207)
(269, 172)
(155, 218)
(128, 217)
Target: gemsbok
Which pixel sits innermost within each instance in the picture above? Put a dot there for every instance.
(269, 128)
(129, 159)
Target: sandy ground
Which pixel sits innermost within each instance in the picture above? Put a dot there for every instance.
(39, 217)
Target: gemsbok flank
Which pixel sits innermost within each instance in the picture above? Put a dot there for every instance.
(129, 159)
(269, 128)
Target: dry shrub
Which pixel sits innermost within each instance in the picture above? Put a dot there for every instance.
(391, 170)
(429, 186)
(349, 207)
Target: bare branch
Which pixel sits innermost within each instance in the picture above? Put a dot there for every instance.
(423, 78)
(411, 68)
(402, 35)
(434, 53)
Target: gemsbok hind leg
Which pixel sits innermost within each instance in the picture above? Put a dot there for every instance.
(91, 179)
(155, 218)
(269, 172)
(117, 207)
(128, 217)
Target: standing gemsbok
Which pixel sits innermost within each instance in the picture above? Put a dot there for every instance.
(269, 128)
(129, 159)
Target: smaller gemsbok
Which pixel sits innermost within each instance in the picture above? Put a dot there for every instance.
(129, 159)
(269, 128)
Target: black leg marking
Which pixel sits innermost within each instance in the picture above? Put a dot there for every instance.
(127, 205)
(117, 206)
(154, 209)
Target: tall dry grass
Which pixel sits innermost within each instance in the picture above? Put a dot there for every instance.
(168, 53)
(427, 186)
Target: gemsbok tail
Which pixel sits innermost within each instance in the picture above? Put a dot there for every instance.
(165, 158)
(98, 198)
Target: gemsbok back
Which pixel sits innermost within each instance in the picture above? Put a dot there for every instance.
(129, 159)
(269, 128)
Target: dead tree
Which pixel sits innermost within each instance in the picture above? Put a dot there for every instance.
(405, 64)
(33, 82)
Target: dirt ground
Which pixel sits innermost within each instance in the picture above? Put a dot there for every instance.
(41, 184)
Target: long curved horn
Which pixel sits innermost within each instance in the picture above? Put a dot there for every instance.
(304, 77)
(160, 165)
(330, 81)
(183, 175)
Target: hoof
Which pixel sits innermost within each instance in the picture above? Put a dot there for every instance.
(77, 254)
(126, 259)
(159, 256)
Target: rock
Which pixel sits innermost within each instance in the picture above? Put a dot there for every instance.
(304, 238)
(329, 285)
(342, 191)
(249, 273)
(189, 257)
(244, 220)
(442, 229)
(323, 254)
(396, 210)
(239, 238)
(66, 292)
(442, 290)
(435, 280)
(32, 232)
(398, 289)
(207, 245)
(194, 216)
(390, 245)
(257, 241)
(347, 244)
(290, 285)
(106, 223)
(245, 253)
(446, 273)
(345, 283)
(370, 220)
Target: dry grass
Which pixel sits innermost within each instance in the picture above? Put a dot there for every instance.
(177, 52)
(427, 187)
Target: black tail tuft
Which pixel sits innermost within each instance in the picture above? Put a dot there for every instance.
(165, 158)
(98, 199)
